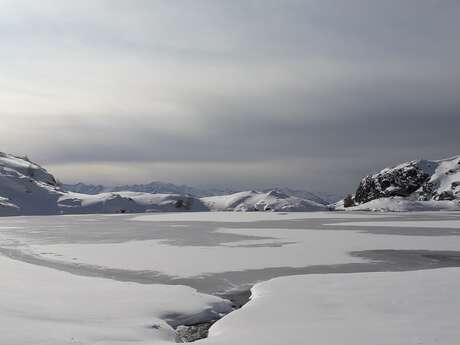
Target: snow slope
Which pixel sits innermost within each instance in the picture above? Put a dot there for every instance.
(410, 308)
(410, 186)
(26, 188)
(258, 201)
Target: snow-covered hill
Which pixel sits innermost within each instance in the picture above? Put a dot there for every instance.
(259, 201)
(414, 185)
(26, 187)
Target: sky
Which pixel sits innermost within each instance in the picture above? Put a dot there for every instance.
(309, 94)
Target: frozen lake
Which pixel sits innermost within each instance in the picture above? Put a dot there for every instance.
(217, 252)
(133, 279)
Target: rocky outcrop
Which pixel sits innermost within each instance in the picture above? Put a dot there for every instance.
(401, 181)
(421, 180)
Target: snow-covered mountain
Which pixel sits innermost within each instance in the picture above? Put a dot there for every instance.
(170, 188)
(320, 198)
(259, 201)
(421, 184)
(28, 189)
(152, 187)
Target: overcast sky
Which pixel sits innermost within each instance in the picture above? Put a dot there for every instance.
(309, 94)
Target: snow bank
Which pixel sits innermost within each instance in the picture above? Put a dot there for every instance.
(411, 308)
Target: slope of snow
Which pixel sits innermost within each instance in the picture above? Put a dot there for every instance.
(44, 306)
(410, 308)
(26, 188)
(258, 201)
(444, 181)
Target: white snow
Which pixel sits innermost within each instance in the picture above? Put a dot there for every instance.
(410, 308)
(42, 306)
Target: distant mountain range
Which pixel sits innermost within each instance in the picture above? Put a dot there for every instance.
(26, 188)
(158, 187)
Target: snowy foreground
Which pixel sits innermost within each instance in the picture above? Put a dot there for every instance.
(124, 279)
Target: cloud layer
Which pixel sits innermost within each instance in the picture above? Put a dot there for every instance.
(309, 94)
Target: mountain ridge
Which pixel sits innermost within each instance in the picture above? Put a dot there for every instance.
(166, 188)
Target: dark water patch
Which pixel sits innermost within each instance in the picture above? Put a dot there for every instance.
(187, 333)
(235, 284)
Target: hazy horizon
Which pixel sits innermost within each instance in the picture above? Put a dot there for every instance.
(241, 94)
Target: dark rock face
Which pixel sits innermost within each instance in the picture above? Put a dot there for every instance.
(400, 181)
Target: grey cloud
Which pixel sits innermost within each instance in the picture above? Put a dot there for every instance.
(294, 92)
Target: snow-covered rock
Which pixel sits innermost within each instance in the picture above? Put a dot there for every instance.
(258, 201)
(415, 185)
